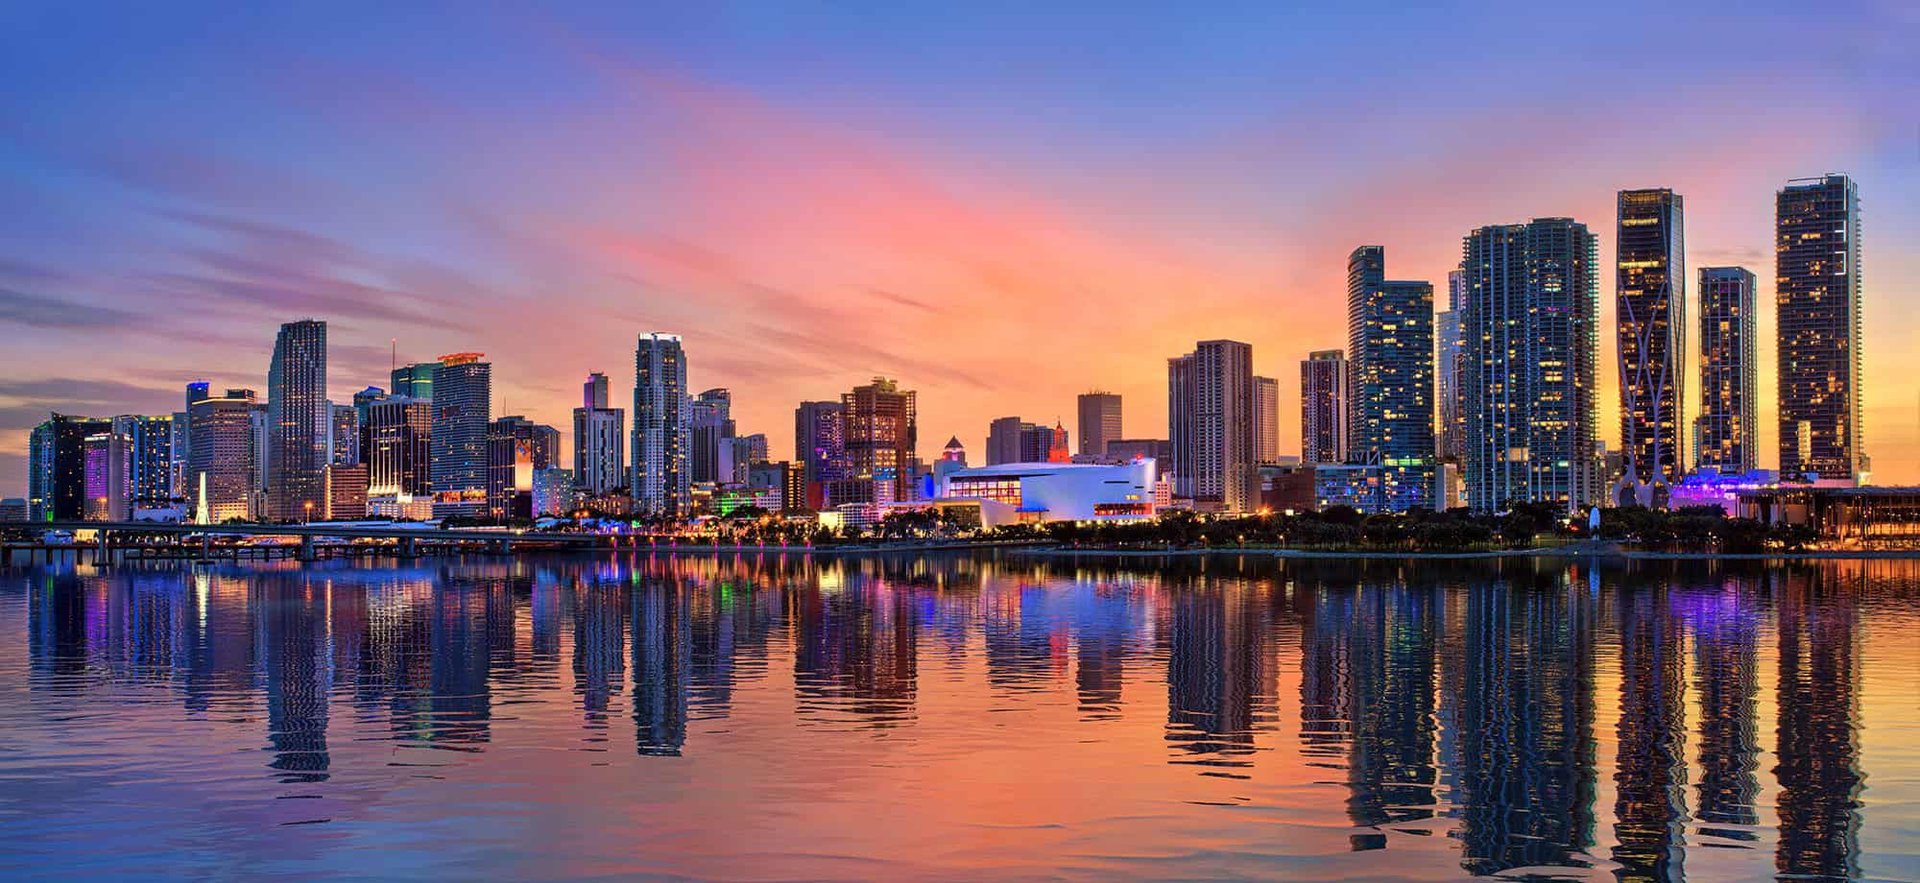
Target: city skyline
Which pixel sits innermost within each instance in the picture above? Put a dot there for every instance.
(873, 251)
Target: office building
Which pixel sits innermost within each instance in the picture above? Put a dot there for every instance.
(555, 491)
(599, 440)
(462, 405)
(1530, 322)
(343, 435)
(819, 441)
(1127, 450)
(56, 467)
(150, 462)
(1099, 422)
(1724, 433)
(346, 485)
(1210, 425)
(1323, 407)
(1650, 307)
(1449, 366)
(1005, 437)
(711, 432)
(1817, 296)
(222, 471)
(881, 436)
(517, 449)
(661, 480)
(1266, 420)
(1390, 379)
(363, 402)
(106, 470)
(414, 381)
(298, 416)
(400, 451)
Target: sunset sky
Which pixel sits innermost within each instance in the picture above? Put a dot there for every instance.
(998, 206)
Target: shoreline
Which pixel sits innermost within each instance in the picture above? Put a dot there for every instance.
(1492, 554)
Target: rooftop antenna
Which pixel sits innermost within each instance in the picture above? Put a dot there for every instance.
(393, 354)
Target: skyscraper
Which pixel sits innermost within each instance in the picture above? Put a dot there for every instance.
(400, 451)
(1724, 434)
(1099, 422)
(221, 469)
(710, 432)
(819, 442)
(149, 442)
(1530, 322)
(599, 440)
(661, 479)
(363, 402)
(881, 435)
(415, 380)
(462, 404)
(1817, 295)
(57, 467)
(106, 469)
(1266, 420)
(343, 435)
(1651, 312)
(1210, 422)
(517, 448)
(1449, 364)
(1390, 379)
(1004, 437)
(298, 416)
(1323, 407)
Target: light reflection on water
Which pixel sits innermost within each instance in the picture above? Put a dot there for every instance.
(962, 717)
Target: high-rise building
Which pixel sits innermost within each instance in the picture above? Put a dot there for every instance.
(1390, 379)
(1004, 439)
(462, 387)
(343, 435)
(661, 478)
(1651, 312)
(1210, 423)
(1449, 366)
(1817, 295)
(106, 469)
(346, 486)
(1037, 443)
(819, 442)
(298, 417)
(414, 381)
(57, 467)
(1323, 407)
(1724, 434)
(363, 402)
(149, 442)
(1530, 322)
(1126, 450)
(1266, 420)
(1099, 421)
(599, 440)
(400, 450)
(881, 435)
(711, 432)
(221, 473)
(517, 449)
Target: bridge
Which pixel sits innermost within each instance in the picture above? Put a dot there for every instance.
(407, 538)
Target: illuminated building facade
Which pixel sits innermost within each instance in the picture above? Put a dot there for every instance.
(1099, 421)
(820, 446)
(1726, 430)
(1650, 304)
(1323, 407)
(105, 455)
(1210, 424)
(661, 480)
(517, 449)
(1817, 295)
(462, 407)
(881, 435)
(221, 469)
(150, 459)
(298, 420)
(1390, 379)
(1266, 420)
(1530, 321)
(1040, 492)
(1449, 364)
(400, 452)
(415, 380)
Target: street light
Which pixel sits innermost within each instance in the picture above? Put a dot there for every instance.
(308, 505)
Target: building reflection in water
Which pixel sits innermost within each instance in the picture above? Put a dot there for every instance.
(1456, 700)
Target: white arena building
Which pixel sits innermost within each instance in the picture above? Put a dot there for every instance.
(1032, 492)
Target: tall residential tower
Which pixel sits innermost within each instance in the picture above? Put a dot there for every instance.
(1724, 434)
(1390, 379)
(1650, 302)
(1817, 295)
(661, 480)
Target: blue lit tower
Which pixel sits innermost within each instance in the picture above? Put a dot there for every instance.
(1390, 378)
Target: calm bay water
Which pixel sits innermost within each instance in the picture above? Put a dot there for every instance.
(962, 717)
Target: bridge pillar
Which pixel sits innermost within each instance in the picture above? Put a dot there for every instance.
(306, 549)
(503, 547)
(103, 550)
(409, 547)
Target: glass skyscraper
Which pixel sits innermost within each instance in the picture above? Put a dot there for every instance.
(1323, 407)
(462, 410)
(1729, 371)
(1532, 301)
(1650, 303)
(1390, 379)
(1817, 294)
(661, 479)
(298, 421)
